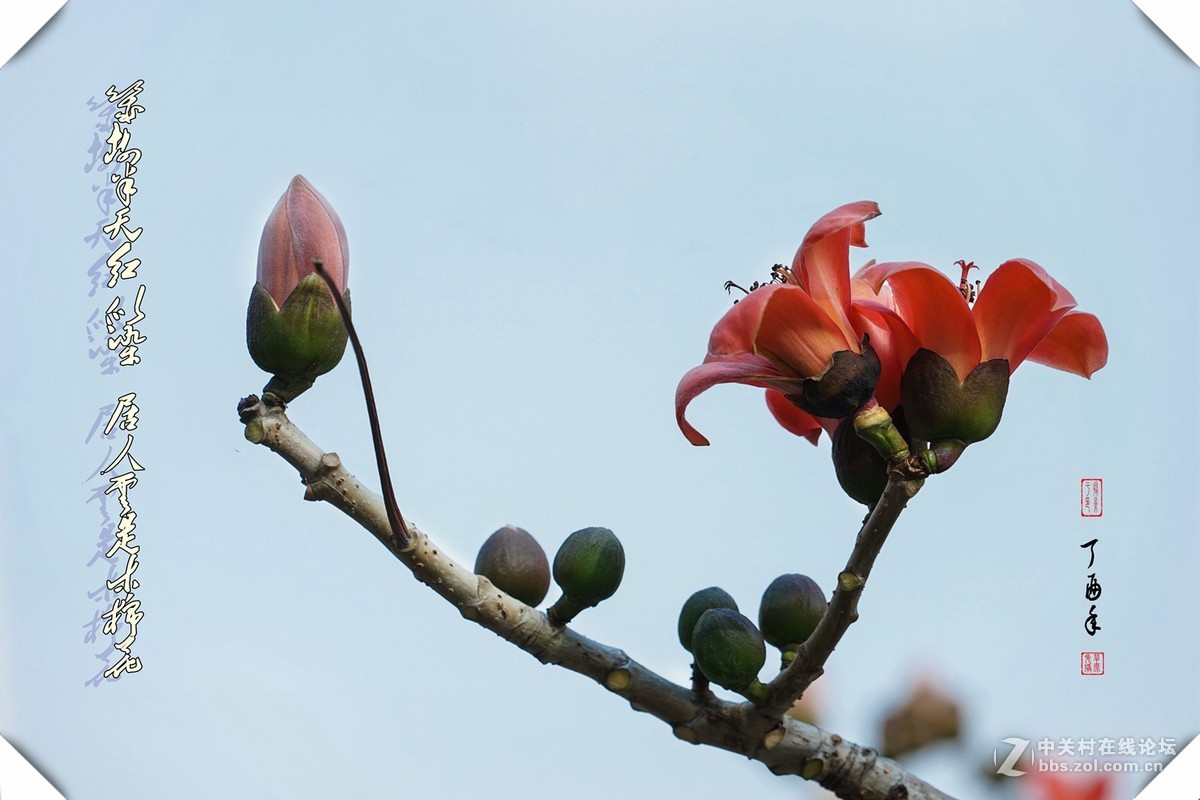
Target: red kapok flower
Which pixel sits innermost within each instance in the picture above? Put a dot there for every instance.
(1021, 313)
(956, 379)
(803, 340)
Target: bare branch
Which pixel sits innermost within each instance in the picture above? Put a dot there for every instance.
(786, 747)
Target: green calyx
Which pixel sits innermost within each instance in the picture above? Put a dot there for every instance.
(940, 407)
(299, 341)
(729, 650)
(588, 568)
(696, 605)
(515, 563)
(790, 609)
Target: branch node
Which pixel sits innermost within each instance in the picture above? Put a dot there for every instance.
(773, 738)
(685, 733)
(255, 432)
(849, 580)
(618, 680)
(414, 539)
(812, 768)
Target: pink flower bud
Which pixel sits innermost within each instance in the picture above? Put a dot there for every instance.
(303, 226)
(293, 328)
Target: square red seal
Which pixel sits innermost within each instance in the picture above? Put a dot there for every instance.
(1091, 497)
(1091, 663)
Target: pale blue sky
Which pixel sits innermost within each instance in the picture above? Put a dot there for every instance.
(543, 201)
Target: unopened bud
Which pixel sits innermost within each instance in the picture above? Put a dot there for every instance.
(293, 328)
(515, 563)
(588, 568)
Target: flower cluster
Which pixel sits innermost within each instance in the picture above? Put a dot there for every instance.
(825, 343)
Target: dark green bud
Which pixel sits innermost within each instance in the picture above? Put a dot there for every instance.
(729, 650)
(515, 563)
(588, 567)
(790, 609)
(697, 604)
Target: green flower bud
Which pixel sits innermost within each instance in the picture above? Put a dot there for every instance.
(729, 650)
(515, 563)
(940, 407)
(790, 609)
(696, 605)
(588, 567)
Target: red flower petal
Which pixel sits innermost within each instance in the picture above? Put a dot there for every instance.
(822, 264)
(796, 333)
(1076, 344)
(741, 368)
(734, 333)
(892, 341)
(1018, 306)
(791, 418)
(933, 309)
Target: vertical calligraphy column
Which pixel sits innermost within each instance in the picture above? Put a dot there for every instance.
(1091, 506)
(114, 340)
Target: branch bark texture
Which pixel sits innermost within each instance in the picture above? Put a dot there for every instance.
(762, 733)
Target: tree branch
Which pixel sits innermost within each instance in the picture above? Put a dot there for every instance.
(843, 606)
(785, 746)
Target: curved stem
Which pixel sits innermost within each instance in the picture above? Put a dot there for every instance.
(395, 518)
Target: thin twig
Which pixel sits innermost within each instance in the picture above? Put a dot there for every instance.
(395, 518)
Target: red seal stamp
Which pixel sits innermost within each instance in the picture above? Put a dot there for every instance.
(1091, 497)
(1091, 663)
